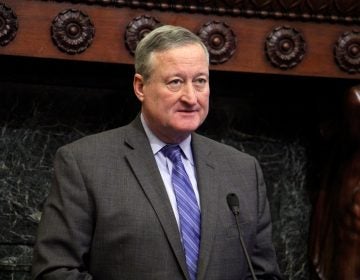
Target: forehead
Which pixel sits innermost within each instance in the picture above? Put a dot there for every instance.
(190, 56)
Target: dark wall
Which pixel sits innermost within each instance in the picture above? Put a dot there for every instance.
(45, 104)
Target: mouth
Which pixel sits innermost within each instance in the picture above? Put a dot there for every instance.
(188, 110)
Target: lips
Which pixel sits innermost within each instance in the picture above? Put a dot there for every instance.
(189, 110)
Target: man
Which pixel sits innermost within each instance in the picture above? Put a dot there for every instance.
(122, 207)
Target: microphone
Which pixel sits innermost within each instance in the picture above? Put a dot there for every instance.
(233, 202)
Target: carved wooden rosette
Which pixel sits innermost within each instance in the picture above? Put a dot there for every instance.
(285, 47)
(72, 31)
(137, 29)
(347, 52)
(8, 25)
(219, 39)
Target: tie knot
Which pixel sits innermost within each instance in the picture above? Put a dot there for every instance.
(173, 152)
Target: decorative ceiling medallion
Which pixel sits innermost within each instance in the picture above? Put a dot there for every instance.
(285, 47)
(347, 52)
(72, 31)
(8, 25)
(137, 29)
(220, 41)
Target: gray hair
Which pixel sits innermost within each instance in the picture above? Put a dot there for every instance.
(161, 39)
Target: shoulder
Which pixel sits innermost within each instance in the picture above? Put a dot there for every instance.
(219, 149)
(104, 138)
(106, 144)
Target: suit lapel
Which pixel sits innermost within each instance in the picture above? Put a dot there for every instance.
(143, 164)
(146, 171)
(208, 190)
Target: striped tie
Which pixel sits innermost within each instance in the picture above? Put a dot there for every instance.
(189, 212)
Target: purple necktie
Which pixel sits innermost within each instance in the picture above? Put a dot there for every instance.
(189, 212)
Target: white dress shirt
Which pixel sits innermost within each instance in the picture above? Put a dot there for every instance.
(165, 165)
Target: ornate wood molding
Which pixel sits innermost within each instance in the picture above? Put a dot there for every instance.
(347, 52)
(8, 24)
(342, 11)
(219, 39)
(72, 31)
(137, 29)
(285, 47)
(250, 45)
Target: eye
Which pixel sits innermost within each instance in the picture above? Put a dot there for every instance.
(200, 83)
(175, 84)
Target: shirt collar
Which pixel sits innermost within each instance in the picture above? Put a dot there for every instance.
(156, 144)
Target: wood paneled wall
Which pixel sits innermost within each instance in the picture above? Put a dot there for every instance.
(305, 38)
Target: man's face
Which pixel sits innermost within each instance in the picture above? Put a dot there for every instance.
(175, 99)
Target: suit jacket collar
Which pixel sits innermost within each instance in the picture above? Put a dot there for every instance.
(144, 166)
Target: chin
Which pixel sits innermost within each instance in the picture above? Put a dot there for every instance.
(185, 124)
(187, 129)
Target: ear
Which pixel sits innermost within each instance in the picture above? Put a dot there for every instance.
(138, 85)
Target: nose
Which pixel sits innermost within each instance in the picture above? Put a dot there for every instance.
(189, 94)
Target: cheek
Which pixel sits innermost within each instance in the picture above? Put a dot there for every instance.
(159, 95)
(204, 101)
(152, 98)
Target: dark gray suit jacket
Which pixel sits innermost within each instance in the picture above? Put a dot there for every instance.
(108, 216)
